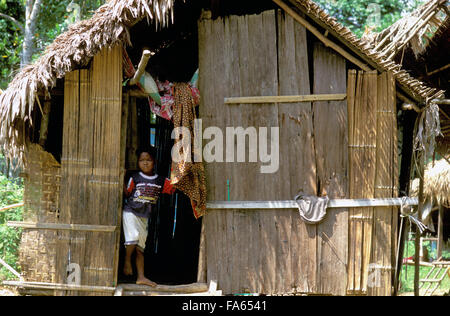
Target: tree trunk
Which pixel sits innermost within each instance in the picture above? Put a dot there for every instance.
(32, 9)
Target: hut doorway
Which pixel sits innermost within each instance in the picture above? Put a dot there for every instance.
(172, 248)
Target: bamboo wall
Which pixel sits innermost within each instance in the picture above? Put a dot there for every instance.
(373, 174)
(41, 198)
(273, 251)
(92, 170)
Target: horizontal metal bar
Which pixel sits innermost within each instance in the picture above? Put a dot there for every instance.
(55, 226)
(285, 99)
(290, 204)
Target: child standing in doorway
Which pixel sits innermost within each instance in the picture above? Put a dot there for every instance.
(142, 192)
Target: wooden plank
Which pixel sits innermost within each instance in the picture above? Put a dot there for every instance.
(331, 145)
(232, 117)
(59, 226)
(184, 288)
(263, 81)
(297, 158)
(285, 98)
(58, 286)
(207, 97)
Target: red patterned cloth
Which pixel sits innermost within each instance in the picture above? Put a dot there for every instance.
(165, 110)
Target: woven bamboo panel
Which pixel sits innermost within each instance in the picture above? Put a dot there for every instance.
(41, 198)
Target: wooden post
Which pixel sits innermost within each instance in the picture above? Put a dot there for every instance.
(141, 68)
(403, 233)
(440, 232)
(44, 122)
(419, 215)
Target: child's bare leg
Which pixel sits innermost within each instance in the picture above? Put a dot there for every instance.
(127, 267)
(141, 279)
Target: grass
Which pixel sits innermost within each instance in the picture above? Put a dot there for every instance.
(407, 273)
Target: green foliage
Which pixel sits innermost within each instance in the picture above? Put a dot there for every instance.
(407, 272)
(56, 16)
(52, 21)
(10, 193)
(10, 40)
(359, 14)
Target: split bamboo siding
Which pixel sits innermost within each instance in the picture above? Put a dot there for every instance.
(373, 173)
(92, 171)
(345, 149)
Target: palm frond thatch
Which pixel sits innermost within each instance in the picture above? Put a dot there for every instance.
(108, 26)
(416, 29)
(436, 182)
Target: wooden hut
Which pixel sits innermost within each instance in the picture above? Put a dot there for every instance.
(331, 98)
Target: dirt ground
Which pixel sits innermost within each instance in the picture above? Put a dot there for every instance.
(4, 291)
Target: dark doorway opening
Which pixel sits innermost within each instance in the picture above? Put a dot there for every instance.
(172, 248)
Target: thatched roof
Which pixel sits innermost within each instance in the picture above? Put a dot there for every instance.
(419, 41)
(110, 25)
(436, 183)
(366, 50)
(415, 30)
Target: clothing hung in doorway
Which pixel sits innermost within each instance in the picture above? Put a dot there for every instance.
(187, 175)
(162, 106)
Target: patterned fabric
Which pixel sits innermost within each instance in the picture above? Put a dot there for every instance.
(165, 110)
(186, 176)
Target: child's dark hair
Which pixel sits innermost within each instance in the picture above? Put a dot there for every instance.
(147, 149)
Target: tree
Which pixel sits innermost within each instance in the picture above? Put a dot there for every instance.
(28, 26)
(32, 8)
(363, 15)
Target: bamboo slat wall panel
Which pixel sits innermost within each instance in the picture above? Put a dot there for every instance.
(373, 173)
(91, 165)
(386, 185)
(362, 106)
(331, 143)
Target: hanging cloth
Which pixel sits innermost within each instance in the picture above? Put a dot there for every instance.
(186, 175)
(312, 209)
